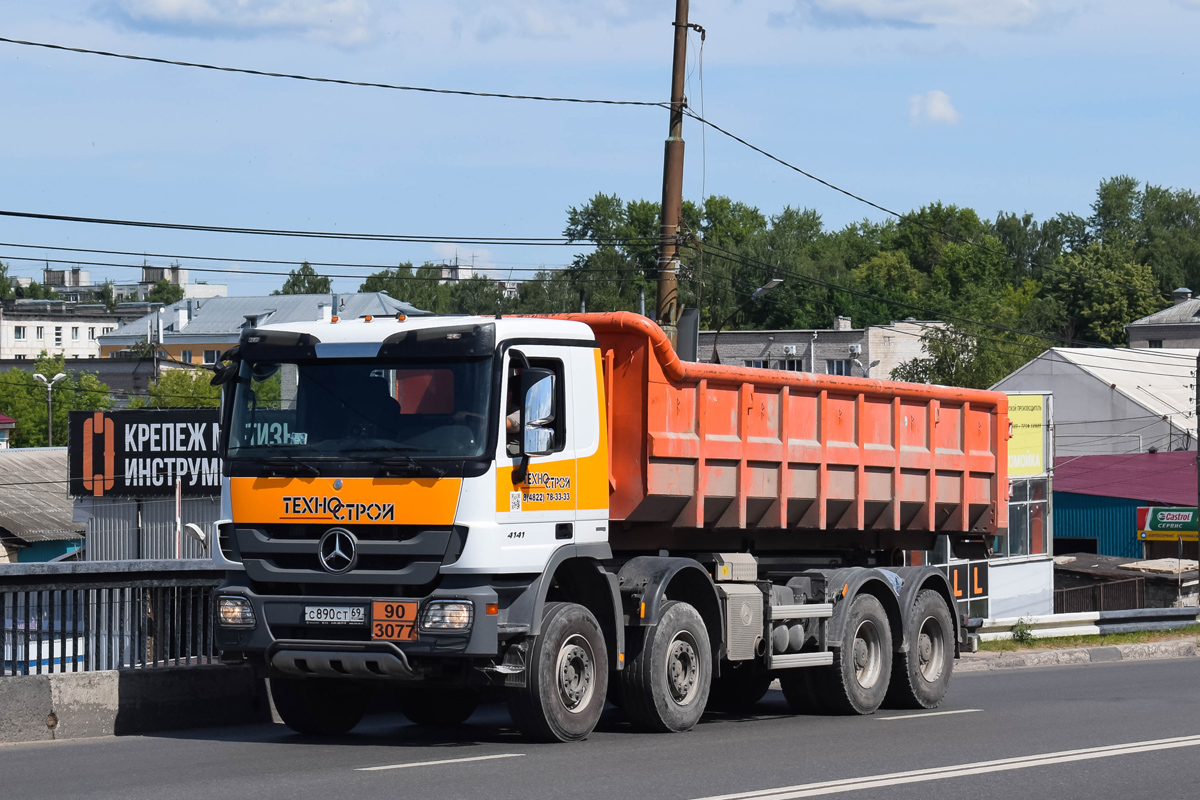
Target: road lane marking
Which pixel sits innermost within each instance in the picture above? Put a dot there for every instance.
(959, 770)
(924, 714)
(442, 761)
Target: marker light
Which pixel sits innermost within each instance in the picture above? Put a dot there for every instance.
(235, 612)
(400, 318)
(368, 318)
(335, 319)
(446, 615)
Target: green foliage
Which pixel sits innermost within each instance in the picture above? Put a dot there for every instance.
(107, 296)
(6, 283)
(181, 388)
(1099, 289)
(305, 280)
(24, 399)
(1022, 632)
(165, 292)
(34, 291)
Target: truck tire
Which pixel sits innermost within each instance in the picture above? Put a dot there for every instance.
(921, 676)
(802, 689)
(668, 671)
(438, 708)
(566, 680)
(739, 686)
(319, 705)
(857, 682)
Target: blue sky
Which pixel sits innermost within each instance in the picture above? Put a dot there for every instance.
(1015, 105)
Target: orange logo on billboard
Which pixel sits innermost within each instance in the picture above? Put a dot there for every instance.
(99, 427)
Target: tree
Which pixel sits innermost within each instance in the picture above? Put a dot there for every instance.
(6, 284)
(165, 292)
(421, 288)
(24, 399)
(1101, 289)
(305, 280)
(107, 296)
(181, 388)
(34, 291)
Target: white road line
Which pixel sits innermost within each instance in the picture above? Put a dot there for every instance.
(959, 770)
(442, 761)
(924, 714)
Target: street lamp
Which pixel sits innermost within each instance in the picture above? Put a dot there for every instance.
(757, 294)
(49, 384)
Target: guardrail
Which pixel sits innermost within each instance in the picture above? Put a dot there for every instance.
(99, 615)
(1092, 623)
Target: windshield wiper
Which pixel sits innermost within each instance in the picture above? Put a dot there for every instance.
(285, 459)
(407, 465)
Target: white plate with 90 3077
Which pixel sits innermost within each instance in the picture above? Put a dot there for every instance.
(335, 615)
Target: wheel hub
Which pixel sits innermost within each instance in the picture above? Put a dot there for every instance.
(925, 647)
(931, 649)
(683, 670)
(576, 674)
(868, 654)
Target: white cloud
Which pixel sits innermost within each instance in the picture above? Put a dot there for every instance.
(914, 13)
(933, 107)
(343, 22)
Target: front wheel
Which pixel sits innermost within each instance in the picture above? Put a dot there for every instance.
(319, 705)
(666, 680)
(921, 676)
(566, 677)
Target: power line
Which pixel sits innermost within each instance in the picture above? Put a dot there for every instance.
(522, 241)
(338, 81)
(898, 215)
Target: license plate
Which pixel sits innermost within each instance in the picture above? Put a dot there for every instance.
(335, 615)
(393, 622)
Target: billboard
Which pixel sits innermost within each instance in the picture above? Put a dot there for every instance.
(144, 452)
(1027, 447)
(1159, 524)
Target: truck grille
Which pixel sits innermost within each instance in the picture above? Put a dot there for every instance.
(278, 557)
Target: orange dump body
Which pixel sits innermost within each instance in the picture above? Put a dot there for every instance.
(709, 446)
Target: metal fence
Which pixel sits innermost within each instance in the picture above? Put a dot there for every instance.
(1111, 596)
(79, 617)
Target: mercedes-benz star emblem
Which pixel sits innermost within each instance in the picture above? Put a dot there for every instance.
(338, 551)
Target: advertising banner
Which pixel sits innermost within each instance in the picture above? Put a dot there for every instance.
(1027, 447)
(144, 452)
(1159, 524)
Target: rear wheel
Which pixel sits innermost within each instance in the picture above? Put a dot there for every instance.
(666, 680)
(566, 678)
(319, 705)
(857, 681)
(438, 708)
(921, 676)
(740, 686)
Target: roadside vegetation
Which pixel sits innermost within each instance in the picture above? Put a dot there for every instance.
(1064, 642)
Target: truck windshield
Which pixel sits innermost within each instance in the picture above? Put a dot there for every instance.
(361, 409)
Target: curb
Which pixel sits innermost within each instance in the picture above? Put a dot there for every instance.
(983, 662)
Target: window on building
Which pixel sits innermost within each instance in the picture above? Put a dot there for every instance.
(108, 330)
(19, 332)
(1027, 528)
(211, 356)
(837, 366)
(757, 363)
(75, 334)
(793, 364)
(41, 332)
(185, 356)
(1156, 343)
(20, 357)
(91, 333)
(58, 336)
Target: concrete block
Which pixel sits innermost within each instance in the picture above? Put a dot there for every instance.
(25, 708)
(85, 703)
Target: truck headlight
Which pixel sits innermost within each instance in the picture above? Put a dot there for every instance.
(446, 615)
(235, 612)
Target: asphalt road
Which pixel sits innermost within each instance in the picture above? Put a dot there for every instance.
(1127, 729)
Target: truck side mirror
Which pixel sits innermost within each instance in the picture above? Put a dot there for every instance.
(538, 412)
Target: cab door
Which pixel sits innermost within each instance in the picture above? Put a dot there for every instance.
(537, 514)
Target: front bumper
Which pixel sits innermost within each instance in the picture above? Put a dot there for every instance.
(283, 642)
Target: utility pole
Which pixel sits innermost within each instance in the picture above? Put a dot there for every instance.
(672, 196)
